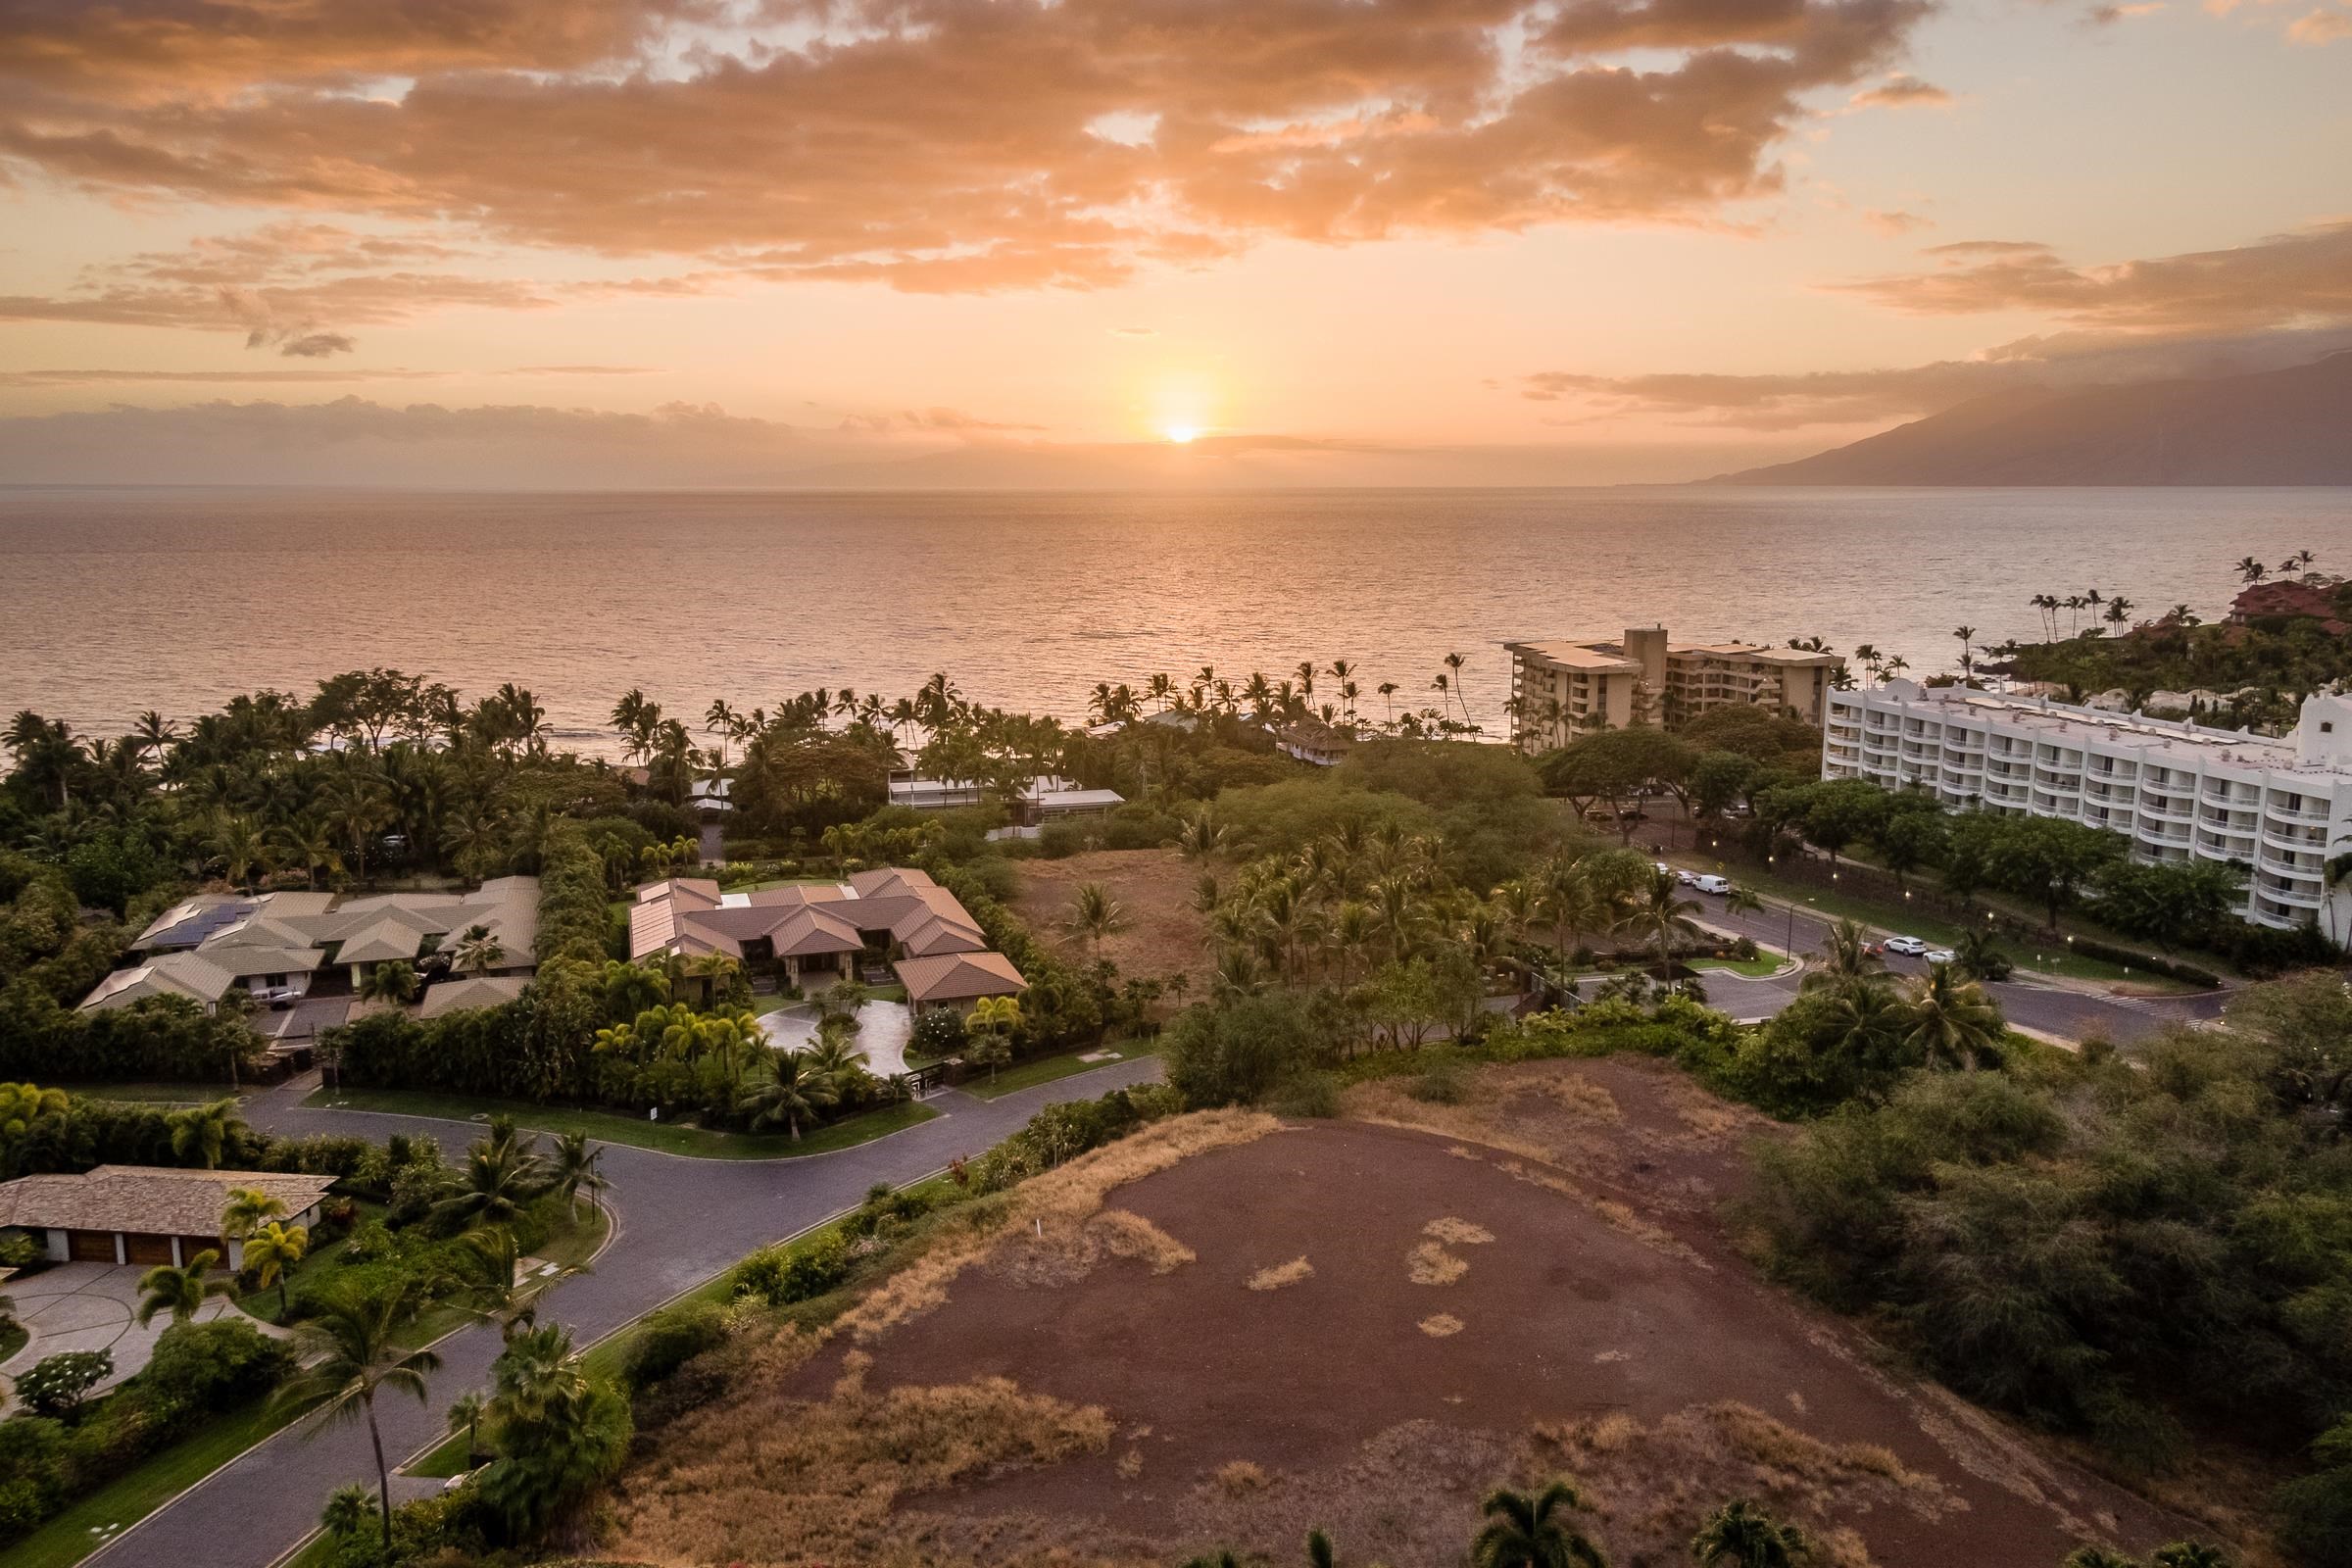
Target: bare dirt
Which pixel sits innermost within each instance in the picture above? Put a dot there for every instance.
(1554, 1297)
(1154, 887)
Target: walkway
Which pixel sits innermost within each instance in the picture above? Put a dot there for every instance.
(95, 1307)
(883, 1028)
(680, 1221)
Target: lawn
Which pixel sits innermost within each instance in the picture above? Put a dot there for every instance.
(1046, 1069)
(668, 1137)
(68, 1539)
(1754, 968)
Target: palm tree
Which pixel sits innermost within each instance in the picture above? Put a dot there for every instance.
(1740, 1533)
(347, 1508)
(271, 1253)
(993, 1022)
(1966, 636)
(1096, 914)
(478, 950)
(578, 1168)
(791, 1094)
(247, 1208)
(1845, 956)
(2251, 571)
(465, 1414)
(1951, 1020)
(393, 982)
(503, 1173)
(1743, 901)
(1663, 912)
(1532, 1532)
(200, 1133)
(182, 1292)
(1453, 667)
(351, 1352)
(2119, 614)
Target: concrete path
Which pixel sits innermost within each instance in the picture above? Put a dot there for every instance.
(94, 1307)
(680, 1222)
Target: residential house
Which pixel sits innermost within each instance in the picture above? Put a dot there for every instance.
(815, 933)
(145, 1215)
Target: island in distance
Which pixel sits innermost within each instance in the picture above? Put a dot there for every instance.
(2274, 427)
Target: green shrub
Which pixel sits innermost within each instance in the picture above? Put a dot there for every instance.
(216, 1364)
(1443, 1081)
(794, 1271)
(937, 1031)
(1309, 1094)
(57, 1384)
(671, 1338)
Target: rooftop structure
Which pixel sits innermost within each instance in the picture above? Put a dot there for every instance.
(1043, 798)
(2269, 601)
(2176, 789)
(143, 1213)
(1572, 686)
(280, 943)
(810, 929)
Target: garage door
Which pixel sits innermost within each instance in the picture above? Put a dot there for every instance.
(90, 1247)
(190, 1246)
(147, 1248)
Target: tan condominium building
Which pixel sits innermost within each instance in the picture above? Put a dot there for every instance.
(1560, 690)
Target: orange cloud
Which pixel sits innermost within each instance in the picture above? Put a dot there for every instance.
(2283, 280)
(938, 145)
(1899, 91)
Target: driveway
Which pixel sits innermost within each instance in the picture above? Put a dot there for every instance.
(882, 1031)
(92, 1307)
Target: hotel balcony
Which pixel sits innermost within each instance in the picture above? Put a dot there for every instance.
(2295, 839)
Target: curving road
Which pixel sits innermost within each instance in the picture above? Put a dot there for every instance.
(682, 1221)
(2041, 1006)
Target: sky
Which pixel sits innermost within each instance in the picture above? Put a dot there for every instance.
(746, 242)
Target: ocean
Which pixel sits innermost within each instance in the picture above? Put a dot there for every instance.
(117, 601)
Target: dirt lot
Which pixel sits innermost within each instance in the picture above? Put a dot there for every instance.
(1164, 934)
(1363, 1326)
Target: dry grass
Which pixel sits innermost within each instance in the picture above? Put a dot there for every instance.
(1154, 887)
(1044, 1227)
(1282, 1274)
(1240, 1477)
(1440, 1325)
(774, 1481)
(1431, 1264)
(1130, 1465)
(1653, 1484)
(1459, 1231)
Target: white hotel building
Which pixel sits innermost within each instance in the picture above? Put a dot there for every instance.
(2278, 805)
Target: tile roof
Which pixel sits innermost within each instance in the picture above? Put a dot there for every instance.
(146, 1198)
(169, 974)
(474, 991)
(960, 977)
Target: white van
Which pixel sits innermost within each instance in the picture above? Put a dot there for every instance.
(1718, 885)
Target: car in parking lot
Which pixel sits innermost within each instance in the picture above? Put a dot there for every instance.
(1908, 947)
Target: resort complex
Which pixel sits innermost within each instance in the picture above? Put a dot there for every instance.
(2177, 788)
(1562, 689)
(280, 947)
(811, 934)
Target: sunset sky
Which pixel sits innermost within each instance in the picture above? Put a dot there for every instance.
(1351, 241)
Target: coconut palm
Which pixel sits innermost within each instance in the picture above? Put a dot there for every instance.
(503, 1173)
(465, 1413)
(271, 1253)
(351, 1352)
(2251, 571)
(1743, 901)
(1094, 915)
(393, 982)
(1660, 909)
(181, 1291)
(992, 1023)
(577, 1168)
(1533, 1531)
(478, 950)
(200, 1133)
(1845, 957)
(1950, 1019)
(247, 1208)
(791, 1095)
(1741, 1533)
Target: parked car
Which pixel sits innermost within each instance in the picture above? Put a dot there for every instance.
(1909, 947)
(1718, 885)
(1939, 955)
(1688, 879)
(275, 998)
(1663, 866)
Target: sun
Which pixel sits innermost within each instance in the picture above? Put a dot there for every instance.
(1182, 434)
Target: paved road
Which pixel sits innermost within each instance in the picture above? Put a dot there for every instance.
(682, 1220)
(2044, 1006)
